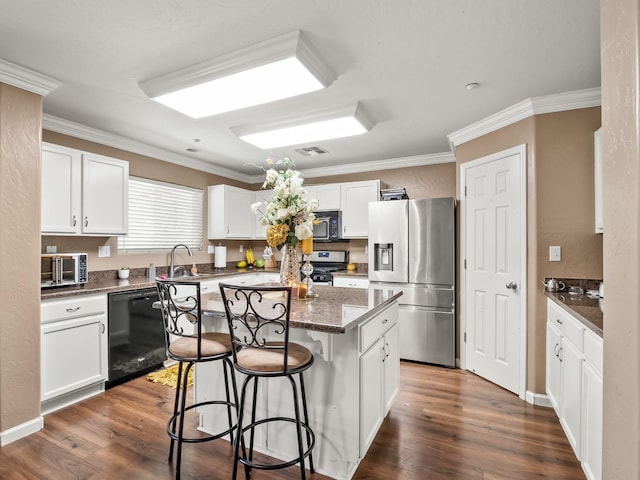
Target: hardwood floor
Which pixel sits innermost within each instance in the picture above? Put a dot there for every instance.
(445, 424)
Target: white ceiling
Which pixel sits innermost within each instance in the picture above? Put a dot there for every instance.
(406, 61)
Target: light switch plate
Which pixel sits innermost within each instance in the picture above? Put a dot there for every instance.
(555, 254)
(51, 249)
(104, 251)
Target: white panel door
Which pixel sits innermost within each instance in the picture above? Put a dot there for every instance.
(493, 276)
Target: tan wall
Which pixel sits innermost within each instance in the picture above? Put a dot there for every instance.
(429, 181)
(20, 127)
(146, 167)
(421, 182)
(560, 209)
(620, 29)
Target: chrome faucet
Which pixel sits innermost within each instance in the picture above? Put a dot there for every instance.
(172, 269)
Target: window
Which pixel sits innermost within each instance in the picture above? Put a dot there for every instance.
(162, 215)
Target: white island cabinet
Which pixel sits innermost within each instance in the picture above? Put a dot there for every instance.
(74, 349)
(350, 387)
(83, 193)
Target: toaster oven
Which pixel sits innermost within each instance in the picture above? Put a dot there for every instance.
(57, 269)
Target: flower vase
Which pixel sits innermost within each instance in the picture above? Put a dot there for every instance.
(290, 266)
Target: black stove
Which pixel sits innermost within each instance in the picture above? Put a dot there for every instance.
(327, 261)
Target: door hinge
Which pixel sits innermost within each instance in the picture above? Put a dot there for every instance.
(465, 337)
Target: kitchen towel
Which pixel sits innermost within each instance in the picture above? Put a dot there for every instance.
(220, 254)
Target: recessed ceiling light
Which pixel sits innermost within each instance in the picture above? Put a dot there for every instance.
(279, 68)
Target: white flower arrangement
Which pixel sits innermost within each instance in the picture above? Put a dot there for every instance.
(289, 215)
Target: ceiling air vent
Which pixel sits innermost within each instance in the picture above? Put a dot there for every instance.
(311, 151)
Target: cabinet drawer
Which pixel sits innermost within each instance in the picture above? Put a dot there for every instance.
(377, 326)
(593, 350)
(570, 328)
(73, 307)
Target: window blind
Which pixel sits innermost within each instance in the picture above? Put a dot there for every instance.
(161, 215)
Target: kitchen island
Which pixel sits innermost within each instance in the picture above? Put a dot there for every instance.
(353, 334)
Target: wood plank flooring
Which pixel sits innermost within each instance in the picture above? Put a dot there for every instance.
(445, 424)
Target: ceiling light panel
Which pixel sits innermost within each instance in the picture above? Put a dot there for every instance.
(325, 125)
(279, 68)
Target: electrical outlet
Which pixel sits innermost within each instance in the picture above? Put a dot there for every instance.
(104, 251)
(51, 249)
(210, 249)
(555, 254)
(241, 248)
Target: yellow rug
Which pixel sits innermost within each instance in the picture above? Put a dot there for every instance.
(168, 376)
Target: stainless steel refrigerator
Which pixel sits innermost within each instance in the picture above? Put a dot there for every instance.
(412, 248)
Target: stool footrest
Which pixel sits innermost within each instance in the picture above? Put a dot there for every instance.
(175, 417)
(275, 466)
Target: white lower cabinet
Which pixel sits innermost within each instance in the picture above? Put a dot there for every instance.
(350, 281)
(379, 372)
(574, 385)
(74, 349)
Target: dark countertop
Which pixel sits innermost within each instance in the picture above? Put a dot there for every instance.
(585, 308)
(335, 310)
(100, 284)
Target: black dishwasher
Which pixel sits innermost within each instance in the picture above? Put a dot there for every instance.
(136, 335)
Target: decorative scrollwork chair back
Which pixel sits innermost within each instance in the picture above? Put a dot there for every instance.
(181, 312)
(255, 313)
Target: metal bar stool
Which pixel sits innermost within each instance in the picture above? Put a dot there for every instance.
(188, 345)
(253, 314)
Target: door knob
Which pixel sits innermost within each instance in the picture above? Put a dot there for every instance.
(512, 285)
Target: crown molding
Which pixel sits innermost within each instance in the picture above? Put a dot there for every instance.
(375, 165)
(590, 97)
(27, 79)
(77, 130)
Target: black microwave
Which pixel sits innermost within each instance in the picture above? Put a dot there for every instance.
(327, 227)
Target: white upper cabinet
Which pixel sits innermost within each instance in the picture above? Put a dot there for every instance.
(329, 197)
(61, 190)
(262, 196)
(230, 213)
(105, 195)
(597, 148)
(83, 193)
(355, 198)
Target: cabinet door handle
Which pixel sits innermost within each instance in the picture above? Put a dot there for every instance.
(559, 352)
(75, 220)
(558, 321)
(86, 221)
(73, 309)
(227, 229)
(103, 328)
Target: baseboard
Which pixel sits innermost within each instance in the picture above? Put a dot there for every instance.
(21, 431)
(539, 399)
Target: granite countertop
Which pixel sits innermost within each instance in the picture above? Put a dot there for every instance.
(335, 310)
(102, 284)
(587, 309)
